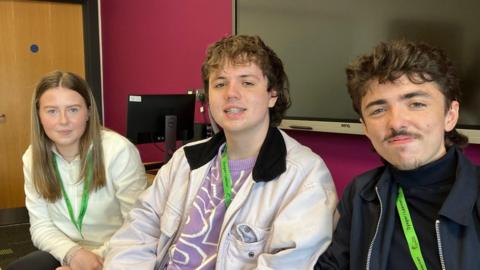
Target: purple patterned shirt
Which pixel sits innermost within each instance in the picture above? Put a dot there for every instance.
(196, 248)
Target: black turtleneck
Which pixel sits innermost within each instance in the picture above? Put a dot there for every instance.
(425, 189)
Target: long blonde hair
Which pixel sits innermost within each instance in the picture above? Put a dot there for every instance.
(43, 173)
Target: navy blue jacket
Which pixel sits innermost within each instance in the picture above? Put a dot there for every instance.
(367, 214)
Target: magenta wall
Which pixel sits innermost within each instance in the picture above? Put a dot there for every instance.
(153, 46)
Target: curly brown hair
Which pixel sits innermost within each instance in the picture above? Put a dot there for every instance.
(419, 62)
(242, 49)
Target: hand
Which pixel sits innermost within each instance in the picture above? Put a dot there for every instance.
(63, 268)
(85, 260)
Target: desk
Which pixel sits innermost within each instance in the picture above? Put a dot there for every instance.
(151, 169)
(150, 178)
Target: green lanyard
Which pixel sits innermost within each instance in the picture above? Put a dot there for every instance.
(409, 231)
(226, 178)
(85, 195)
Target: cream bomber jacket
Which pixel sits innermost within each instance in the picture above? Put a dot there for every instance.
(50, 224)
(291, 214)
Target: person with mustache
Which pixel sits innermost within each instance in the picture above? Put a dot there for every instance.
(250, 197)
(421, 209)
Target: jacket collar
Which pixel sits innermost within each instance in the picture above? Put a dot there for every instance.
(382, 181)
(464, 193)
(271, 160)
(459, 203)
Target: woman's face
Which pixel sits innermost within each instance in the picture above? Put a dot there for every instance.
(64, 116)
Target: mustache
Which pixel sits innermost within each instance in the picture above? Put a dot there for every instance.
(402, 132)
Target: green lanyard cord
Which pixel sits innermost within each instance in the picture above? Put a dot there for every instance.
(85, 195)
(409, 231)
(226, 178)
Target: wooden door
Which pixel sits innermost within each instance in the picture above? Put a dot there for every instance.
(36, 37)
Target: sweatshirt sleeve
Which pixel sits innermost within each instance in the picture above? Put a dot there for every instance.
(125, 169)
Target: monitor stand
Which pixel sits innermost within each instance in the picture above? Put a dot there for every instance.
(170, 143)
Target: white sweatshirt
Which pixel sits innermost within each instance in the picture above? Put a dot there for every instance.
(50, 224)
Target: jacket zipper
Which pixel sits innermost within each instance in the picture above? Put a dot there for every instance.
(439, 244)
(437, 230)
(221, 244)
(376, 231)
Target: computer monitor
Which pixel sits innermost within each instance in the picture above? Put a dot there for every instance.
(160, 118)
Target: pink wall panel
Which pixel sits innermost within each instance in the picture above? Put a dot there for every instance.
(153, 46)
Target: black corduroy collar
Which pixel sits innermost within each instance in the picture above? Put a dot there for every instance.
(271, 160)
